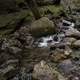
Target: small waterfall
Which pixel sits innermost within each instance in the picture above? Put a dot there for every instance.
(56, 38)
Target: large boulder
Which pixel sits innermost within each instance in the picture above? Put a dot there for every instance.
(42, 27)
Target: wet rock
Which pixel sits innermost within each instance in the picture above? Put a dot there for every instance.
(76, 44)
(69, 40)
(48, 41)
(42, 27)
(72, 33)
(60, 45)
(51, 40)
(66, 66)
(43, 71)
(65, 25)
(77, 24)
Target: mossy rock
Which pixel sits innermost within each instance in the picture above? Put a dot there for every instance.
(54, 9)
(9, 22)
(42, 27)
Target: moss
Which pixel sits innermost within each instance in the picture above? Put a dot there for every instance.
(54, 9)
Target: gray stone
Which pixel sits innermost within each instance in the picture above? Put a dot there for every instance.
(66, 66)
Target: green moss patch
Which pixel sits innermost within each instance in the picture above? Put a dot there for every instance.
(55, 9)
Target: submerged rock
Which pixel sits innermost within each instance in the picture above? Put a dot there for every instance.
(42, 27)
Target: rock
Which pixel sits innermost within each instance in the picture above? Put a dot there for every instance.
(69, 40)
(55, 10)
(76, 44)
(66, 53)
(68, 49)
(66, 66)
(14, 50)
(7, 43)
(8, 72)
(58, 55)
(42, 71)
(24, 37)
(42, 27)
(72, 33)
(60, 45)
